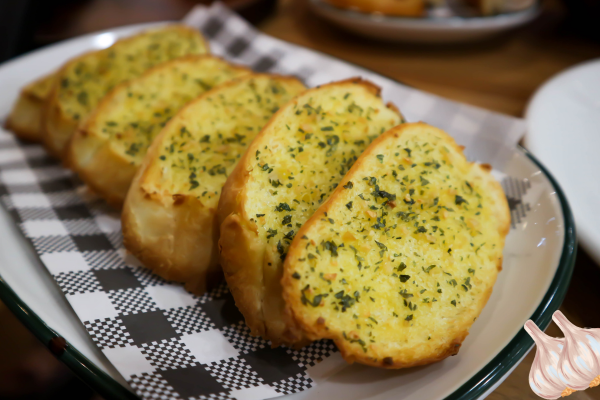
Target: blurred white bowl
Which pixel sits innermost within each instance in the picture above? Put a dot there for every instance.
(441, 26)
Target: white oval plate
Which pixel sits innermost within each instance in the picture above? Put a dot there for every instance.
(538, 262)
(452, 29)
(563, 120)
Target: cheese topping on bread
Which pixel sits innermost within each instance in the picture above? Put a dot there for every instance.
(83, 82)
(224, 122)
(109, 147)
(287, 172)
(400, 261)
(169, 217)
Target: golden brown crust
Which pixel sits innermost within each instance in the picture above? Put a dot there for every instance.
(57, 127)
(24, 119)
(239, 250)
(176, 235)
(350, 355)
(318, 330)
(166, 223)
(392, 106)
(108, 174)
(104, 169)
(407, 8)
(239, 247)
(157, 250)
(252, 273)
(26, 116)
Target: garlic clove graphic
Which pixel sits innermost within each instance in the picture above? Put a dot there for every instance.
(579, 364)
(543, 376)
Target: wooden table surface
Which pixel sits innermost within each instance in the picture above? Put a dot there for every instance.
(499, 75)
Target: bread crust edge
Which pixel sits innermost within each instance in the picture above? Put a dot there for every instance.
(27, 107)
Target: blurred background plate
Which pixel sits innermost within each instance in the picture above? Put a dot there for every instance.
(430, 29)
(563, 120)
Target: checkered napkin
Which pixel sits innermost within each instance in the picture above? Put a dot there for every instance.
(166, 342)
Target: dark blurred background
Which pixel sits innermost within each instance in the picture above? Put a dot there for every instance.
(499, 74)
(28, 24)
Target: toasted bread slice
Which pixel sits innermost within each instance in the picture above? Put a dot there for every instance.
(402, 258)
(25, 119)
(287, 172)
(83, 81)
(108, 148)
(406, 8)
(169, 217)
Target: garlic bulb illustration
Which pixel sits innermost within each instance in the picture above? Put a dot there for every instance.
(543, 376)
(579, 363)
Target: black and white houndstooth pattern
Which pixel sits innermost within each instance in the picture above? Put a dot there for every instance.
(239, 336)
(293, 384)
(214, 396)
(168, 354)
(108, 333)
(36, 213)
(106, 259)
(77, 282)
(167, 343)
(130, 301)
(217, 292)
(188, 320)
(152, 386)
(314, 353)
(49, 244)
(147, 278)
(234, 373)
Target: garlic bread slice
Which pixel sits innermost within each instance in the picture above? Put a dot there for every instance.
(25, 119)
(83, 81)
(399, 262)
(108, 148)
(287, 172)
(169, 217)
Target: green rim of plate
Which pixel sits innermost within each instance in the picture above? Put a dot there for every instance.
(474, 388)
(85, 369)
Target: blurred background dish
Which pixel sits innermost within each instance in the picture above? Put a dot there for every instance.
(418, 8)
(563, 120)
(493, 7)
(443, 23)
(404, 8)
